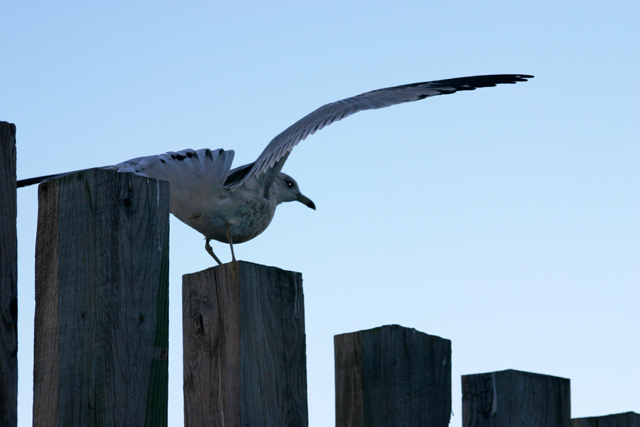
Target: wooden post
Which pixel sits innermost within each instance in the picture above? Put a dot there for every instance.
(244, 347)
(627, 419)
(8, 278)
(101, 322)
(515, 398)
(392, 376)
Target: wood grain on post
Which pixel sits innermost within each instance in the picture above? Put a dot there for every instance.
(8, 278)
(515, 398)
(244, 347)
(392, 376)
(626, 419)
(101, 323)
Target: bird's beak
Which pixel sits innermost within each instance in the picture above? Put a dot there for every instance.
(306, 201)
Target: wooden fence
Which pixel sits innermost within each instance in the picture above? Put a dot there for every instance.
(8, 277)
(101, 331)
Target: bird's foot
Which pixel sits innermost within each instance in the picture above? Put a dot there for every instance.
(207, 247)
(233, 255)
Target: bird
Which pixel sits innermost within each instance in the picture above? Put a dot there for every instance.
(236, 205)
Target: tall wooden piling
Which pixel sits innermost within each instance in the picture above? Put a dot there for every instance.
(8, 278)
(101, 323)
(244, 347)
(392, 376)
(515, 398)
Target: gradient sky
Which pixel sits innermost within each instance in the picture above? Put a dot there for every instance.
(505, 219)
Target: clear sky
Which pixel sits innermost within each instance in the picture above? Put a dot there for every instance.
(505, 219)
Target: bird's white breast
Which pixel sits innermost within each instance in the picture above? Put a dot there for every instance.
(245, 212)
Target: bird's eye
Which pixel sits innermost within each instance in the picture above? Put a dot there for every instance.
(289, 184)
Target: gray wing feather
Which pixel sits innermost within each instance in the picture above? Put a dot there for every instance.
(381, 98)
(194, 176)
(188, 169)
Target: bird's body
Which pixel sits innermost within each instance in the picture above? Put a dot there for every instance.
(198, 196)
(201, 198)
(236, 205)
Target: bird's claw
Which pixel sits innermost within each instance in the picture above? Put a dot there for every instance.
(207, 247)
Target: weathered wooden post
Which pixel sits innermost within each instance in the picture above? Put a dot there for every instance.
(101, 323)
(515, 398)
(8, 278)
(244, 347)
(626, 419)
(392, 376)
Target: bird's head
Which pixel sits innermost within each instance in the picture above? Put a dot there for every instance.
(287, 190)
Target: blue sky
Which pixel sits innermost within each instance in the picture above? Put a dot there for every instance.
(505, 219)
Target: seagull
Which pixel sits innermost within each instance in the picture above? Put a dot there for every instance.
(236, 205)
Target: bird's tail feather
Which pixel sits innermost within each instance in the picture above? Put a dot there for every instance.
(37, 180)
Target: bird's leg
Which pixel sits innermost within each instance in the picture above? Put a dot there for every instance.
(233, 256)
(207, 246)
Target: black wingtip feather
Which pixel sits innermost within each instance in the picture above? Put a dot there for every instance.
(30, 181)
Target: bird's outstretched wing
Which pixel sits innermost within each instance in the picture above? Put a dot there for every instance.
(275, 153)
(186, 169)
(196, 176)
(189, 171)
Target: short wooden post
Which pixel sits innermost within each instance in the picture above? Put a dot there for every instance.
(626, 419)
(101, 323)
(515, 398)
(392, 376)
(8, 278)
(244, 347)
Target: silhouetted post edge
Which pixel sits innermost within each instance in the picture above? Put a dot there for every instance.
(8, 278)
(101, 322)
(625, 419)
(244, 347)
(392, 375)
(513, 397)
